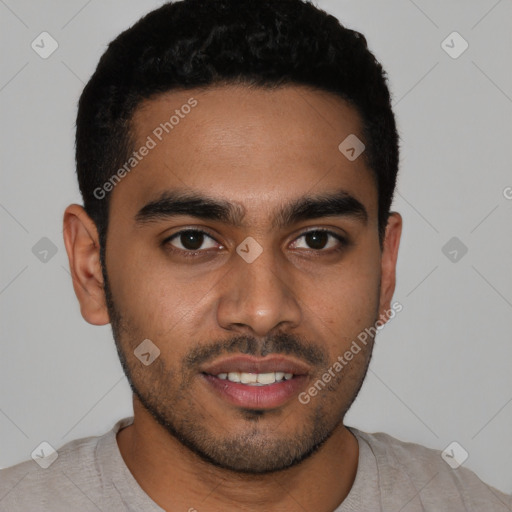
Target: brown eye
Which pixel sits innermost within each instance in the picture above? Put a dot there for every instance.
(190, 240)
(317, 239)
(321, 240)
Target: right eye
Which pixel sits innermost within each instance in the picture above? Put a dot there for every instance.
(189, 241)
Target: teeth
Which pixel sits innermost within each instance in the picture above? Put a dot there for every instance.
(255, 379)
(266, 378)
(248, 378)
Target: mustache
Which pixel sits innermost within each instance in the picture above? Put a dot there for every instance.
(282, 343)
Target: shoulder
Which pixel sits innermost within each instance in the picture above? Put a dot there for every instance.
(425, 470)
(68, 477)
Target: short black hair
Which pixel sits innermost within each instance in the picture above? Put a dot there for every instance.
(204, 43)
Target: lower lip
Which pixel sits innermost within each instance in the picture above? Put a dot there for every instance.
(256, 397)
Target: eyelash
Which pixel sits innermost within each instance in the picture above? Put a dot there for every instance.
(194, 254)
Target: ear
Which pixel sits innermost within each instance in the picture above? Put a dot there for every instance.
(82, 245)
(388, 263)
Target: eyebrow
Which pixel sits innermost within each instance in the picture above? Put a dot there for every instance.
(179, 202)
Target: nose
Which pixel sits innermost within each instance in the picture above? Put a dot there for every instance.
(258, 297)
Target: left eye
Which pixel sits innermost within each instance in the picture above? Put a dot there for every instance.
(318, 239)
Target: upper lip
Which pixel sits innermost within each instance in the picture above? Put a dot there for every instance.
(250, 364)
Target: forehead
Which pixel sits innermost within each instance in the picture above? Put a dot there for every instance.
(251, 146)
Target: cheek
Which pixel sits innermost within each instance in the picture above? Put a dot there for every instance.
(157, 297)
(347, 299)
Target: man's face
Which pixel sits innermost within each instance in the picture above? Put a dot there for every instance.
(214, 310)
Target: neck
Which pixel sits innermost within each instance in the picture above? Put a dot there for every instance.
(177, 479)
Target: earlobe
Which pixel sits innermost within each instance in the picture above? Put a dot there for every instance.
(83, 249)
(388, 263)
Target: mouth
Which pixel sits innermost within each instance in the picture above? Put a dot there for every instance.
(255, 379)
(256, 383)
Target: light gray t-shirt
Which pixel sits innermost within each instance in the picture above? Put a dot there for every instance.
(89, 475)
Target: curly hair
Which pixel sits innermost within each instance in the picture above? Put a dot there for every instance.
(202, 43)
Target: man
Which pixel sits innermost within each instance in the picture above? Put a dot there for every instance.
(237, 161)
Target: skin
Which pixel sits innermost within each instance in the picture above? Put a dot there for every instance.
(259, 149)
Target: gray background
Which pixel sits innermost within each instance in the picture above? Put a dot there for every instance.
(441, 368)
